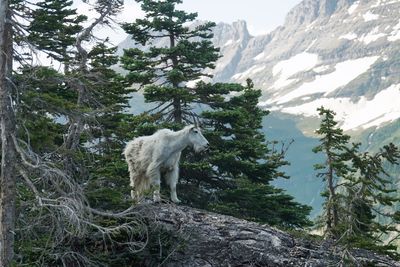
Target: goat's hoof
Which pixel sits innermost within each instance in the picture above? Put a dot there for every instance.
(176, 201)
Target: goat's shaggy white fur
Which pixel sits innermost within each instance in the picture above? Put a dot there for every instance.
(150, 157)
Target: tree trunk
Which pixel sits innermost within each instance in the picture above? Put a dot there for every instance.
(182, 236)
(8, 155)
(333, 219)
(177, 108)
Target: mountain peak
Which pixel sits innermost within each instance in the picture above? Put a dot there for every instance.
(309, 10)
(338, 53)
(342, 54)
(240, 25)
(237, 28)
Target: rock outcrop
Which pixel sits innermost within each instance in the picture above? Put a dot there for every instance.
(202, 238)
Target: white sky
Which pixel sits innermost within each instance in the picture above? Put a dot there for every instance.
(261, 16)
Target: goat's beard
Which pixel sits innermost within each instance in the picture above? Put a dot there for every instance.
(199, 149)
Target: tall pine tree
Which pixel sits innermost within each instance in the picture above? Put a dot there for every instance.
(182, 55)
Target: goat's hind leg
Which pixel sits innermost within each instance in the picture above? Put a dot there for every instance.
(133, 176)
(153, 172)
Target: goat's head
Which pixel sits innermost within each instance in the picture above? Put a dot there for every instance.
(197, 140)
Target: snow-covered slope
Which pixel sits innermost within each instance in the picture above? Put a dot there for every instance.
(342, 54)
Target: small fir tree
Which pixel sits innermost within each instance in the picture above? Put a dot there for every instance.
(333, 145)
(371, 195)
(363, 193)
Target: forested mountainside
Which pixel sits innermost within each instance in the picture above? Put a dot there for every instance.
(72, 195)
(340, 54)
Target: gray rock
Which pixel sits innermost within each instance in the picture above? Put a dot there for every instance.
(210, 239)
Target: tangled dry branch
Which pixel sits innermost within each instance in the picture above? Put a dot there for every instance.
(60, 205)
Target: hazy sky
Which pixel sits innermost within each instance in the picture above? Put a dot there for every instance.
(261, 16)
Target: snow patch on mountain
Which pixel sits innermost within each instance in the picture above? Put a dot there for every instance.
(344, 73)
(192, 84)
(300, 62)
(260, 56)
(385, 2)
(282, 82)
(378, 3)
(245, 74)
(350, 36)
(367, 38)
(310, 26)
(322, 68)
(395, 34)
(287, 68)
(311, 45)
(229, 42)
(372, 36)
(364, 113)
(353, 7)
(369, 16)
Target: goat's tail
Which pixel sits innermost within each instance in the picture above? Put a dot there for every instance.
(139, 182)
(140, 185)
(128, 148)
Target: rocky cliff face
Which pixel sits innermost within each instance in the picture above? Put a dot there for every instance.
(310, 10)
(341, 54)
(200, 238)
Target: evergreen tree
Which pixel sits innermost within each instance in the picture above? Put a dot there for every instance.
(182, 55)
(108, 185)
(54, 27)
(359, 192)
(370, 195)
(75, 130)
(235, 177)
(333, 145)
(44, 104)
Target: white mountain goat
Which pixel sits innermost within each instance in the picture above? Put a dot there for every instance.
(150, 157)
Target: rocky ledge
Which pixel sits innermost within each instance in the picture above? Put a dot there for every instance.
(202, 238)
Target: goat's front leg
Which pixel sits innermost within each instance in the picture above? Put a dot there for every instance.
(171, 178)
(153, 172)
